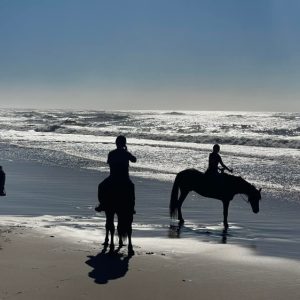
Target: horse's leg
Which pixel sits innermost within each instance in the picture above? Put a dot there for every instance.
(120, 229)
(106, 229)
(106, 238)
(110, 227)
(121, 242)
(183, 194)
(112, 232)
(225, 214)
(130, 247)
(129, 231)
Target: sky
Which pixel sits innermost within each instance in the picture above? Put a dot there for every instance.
(150, 54)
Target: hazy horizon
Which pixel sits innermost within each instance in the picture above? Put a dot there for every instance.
(158, 55)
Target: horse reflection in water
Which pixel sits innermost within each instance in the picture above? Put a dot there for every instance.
(223, 187)
(116, 197)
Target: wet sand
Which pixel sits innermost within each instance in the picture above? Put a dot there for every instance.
(39, 266)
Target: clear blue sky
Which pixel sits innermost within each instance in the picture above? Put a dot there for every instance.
(154, 54)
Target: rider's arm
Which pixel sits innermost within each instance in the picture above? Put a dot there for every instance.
(224, 166)
(108, 159)
(131, 157)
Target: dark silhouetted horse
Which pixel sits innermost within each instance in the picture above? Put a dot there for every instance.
(116, 197)
(223, 187)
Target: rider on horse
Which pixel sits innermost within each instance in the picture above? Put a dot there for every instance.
(116, 193)
(119, 158)
(118, 161)
(214, 161)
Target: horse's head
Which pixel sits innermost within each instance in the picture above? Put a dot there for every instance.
(254, 198)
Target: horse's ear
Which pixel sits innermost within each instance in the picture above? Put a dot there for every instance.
(259, 190)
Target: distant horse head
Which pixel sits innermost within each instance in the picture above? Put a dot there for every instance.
(253, 197)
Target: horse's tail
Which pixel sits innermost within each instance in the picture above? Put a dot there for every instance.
(125, 224)
(174, 197)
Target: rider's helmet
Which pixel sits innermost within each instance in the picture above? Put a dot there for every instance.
(216, 148)
(121, 141)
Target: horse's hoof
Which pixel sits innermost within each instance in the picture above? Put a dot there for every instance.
(173, 227)
(105, 242)
(130, 250)
(181, 222)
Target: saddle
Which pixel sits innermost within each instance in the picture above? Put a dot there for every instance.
(216, 185)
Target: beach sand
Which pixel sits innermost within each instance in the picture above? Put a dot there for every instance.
(37, 266)
(44, 263)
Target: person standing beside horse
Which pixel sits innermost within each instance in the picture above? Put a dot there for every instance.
(116, 194)
(2, 182)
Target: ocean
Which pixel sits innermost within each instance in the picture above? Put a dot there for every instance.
(262, 147)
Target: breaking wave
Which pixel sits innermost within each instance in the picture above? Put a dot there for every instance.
(50, 128)
(279, 130)
(241, 141)
(174, 113)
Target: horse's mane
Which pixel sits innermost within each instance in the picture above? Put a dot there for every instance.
(238, 180)
(245, 182)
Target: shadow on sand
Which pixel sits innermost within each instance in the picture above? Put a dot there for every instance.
(108, 265)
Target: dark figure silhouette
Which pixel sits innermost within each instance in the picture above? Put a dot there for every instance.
(116, 195)
(2, 182)
(224, 190)
(214, 161)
